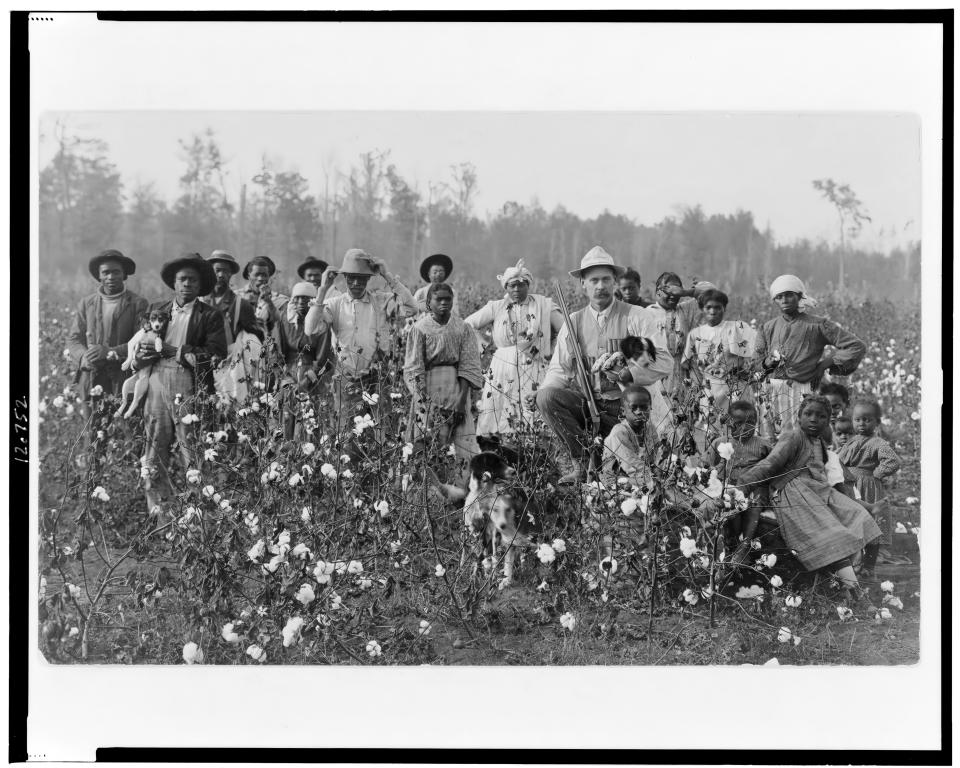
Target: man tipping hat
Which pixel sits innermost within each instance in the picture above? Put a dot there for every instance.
(361, 320)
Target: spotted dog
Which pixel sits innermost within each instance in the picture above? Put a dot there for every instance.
(498, 512)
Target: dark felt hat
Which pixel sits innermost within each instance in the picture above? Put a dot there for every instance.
(438, 258)
(224, 258)
(312, 262)
(111, 254)
(208, 279)
(260, 261)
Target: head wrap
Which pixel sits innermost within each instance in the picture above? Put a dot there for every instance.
(518, 272)
(793, 284)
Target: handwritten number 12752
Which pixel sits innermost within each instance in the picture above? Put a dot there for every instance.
(21, 420)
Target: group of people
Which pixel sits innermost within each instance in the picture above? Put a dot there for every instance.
(614, 372)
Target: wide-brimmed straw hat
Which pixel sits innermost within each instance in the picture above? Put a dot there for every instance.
(312, 262)
(438, 258)
(356, 261)
(208, 278)
(224, 258)
(112, 254)
(260, 261)
(597, 257)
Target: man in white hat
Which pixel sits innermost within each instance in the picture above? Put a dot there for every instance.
(362, 321)
(598, 329)
(791, 350)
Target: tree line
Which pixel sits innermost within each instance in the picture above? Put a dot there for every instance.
(85, 207)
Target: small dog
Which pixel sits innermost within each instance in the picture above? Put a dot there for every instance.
(634, 350)
(497, 511)
(134, 392)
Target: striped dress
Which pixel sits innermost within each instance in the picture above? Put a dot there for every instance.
(821, 524)
(869, 459)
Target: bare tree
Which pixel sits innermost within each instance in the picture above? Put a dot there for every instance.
(850, 212)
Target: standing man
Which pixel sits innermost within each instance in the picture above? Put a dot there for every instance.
(361, 320)
(311, 270)
(181, 369)
(102, 325)
(596, 329)
(791, 350)
(238, 313)
(268, 306)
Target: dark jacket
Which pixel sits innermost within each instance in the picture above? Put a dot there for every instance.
(244, 320)
(205, 340)
(88, 327)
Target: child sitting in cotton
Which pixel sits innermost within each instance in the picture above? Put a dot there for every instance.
(629, 449)
(747, 449)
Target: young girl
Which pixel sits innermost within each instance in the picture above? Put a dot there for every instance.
(718, 354)
(869, 459)
(748, 450)
(442, 365)
(823, 526)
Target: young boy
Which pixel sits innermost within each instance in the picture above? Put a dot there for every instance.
(629, 448)
(839, 397)
(842, 432)
(629, 289)
(748, 449)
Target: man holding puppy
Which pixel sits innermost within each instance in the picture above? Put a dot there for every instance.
(182, 367)
(560, 400)
(361, 320)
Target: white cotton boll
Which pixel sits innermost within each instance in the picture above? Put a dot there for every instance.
(691, 597)
(354, 567)
(609, 565)
(559, 546)
(725, 451)
(208, 491)
(629, 505)
(300, 551)
(305, 595)
(900, 528)
(257, 653)
(374, 649)
(768, 561)
(192, 653)
(424, 628)
(886, 586)
(328, 471)
(753, 592)
(568, 621)
(776, 581)
(688, 547)
(228, 634)
(546, 554)
(257, 550)
(383, 507)
(439, 570)
(295, 480)
(793, 601)
(883, 615)
(74, 632)
(305, 514)
(308, 449)
(844, 613)
(784, 635)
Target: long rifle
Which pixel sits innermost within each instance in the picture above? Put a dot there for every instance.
(579, 364)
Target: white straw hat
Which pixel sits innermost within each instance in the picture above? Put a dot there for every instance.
(597, 257)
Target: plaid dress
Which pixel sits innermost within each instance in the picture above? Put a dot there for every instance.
(869, 459)
(821, 524)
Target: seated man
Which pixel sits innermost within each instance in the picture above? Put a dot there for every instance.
(597, 330)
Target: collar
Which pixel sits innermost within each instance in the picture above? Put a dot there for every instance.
(365, 299)
(603, 313)
(112, 297)
(187, 308)
(225, 296)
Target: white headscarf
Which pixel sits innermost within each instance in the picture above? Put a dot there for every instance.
(793, 284)
(519, 272)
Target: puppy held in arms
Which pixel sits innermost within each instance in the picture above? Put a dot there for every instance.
(630, 362)
(498, 512)
(134, 392)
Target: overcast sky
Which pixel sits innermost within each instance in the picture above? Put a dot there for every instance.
(643, 165)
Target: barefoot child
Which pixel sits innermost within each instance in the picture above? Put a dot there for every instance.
(748, 450)
(823, 526)
(869, 459)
